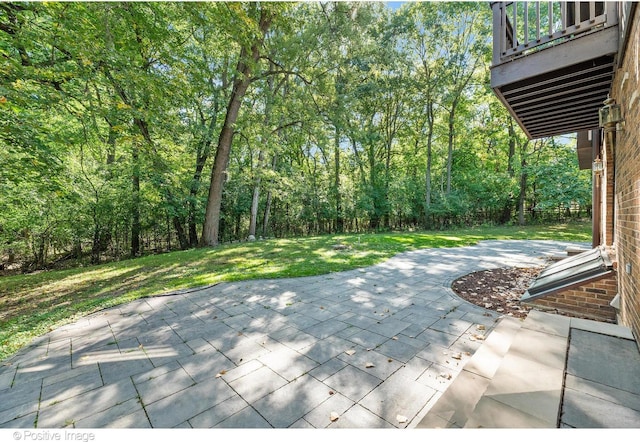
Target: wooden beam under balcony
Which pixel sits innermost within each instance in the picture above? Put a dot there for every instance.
(587, 147)
(552, 59)
(556, 87)
(559, 90)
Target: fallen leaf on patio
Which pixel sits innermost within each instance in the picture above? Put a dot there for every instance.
(350, 352)
(395, 338)
(334, 416)
(389, 360)
(445, 375)
(480, 327)
(401, 419)
(331, 392)
(221, 373)
(457, 356)
(369, 365)
(479, 337)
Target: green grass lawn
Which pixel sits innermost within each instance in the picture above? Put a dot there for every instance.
(33, 304)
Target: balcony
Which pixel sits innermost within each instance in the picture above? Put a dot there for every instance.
(553, 62)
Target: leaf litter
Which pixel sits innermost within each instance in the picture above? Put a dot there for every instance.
(499, 289)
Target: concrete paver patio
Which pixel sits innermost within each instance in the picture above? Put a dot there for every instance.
(373, 345)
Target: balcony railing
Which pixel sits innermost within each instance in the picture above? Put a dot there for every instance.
(522, 28)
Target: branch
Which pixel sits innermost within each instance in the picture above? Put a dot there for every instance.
(284, 126)
(282, 70)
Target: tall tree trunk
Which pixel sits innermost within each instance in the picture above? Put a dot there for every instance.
(429, 161)
(143, 127)
(193, 195)
(135, 206)
(506, 210)
(202, 155)
(267, 206)
(211, 226)
(512, 149)
(336, 183)
(452, 114)
(461, 81)
(391, 126)
(387, 178)
(523, 181)
(374, 220)
(95, 247)
(182, 237)
(101, 234)
(255, 200)
(267, 213)
(523, 191)
(40, 250)
(428, 91)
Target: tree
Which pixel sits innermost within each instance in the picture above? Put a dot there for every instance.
(247, 60)
(421, 21)
(464, 48)
(306, 118)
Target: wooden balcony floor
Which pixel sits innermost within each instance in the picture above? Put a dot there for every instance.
(559, 90)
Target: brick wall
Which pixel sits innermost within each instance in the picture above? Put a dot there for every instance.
(626, 91)
(608, 195)
(590, 301)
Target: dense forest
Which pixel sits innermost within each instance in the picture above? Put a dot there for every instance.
(129, 128)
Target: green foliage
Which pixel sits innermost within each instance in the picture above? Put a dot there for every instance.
(357, 119)
(559, 182)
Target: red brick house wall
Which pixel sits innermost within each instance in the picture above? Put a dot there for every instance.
(626, 150)
(590, 300)
(608, 197)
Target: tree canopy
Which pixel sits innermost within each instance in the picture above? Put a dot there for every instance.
(132, 127)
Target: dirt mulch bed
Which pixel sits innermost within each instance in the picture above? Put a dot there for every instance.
(499, 290)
